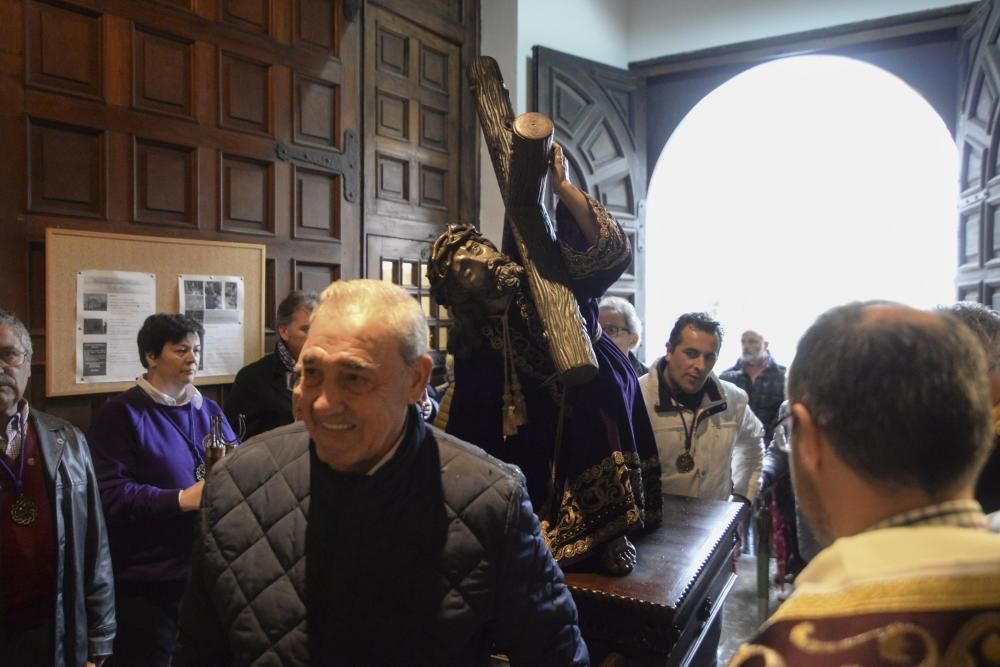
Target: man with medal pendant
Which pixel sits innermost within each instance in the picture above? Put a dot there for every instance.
(47, 619)
(709, 441)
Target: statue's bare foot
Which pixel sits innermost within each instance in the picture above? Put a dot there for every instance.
(618, 557)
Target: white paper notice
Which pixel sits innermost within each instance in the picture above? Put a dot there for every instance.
(110, 309)
(216, 302)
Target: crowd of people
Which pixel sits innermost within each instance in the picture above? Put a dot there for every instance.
(349, 530)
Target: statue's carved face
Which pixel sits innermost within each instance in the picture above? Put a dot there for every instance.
(479, 272)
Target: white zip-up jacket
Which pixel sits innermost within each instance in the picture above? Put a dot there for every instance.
(726, 445)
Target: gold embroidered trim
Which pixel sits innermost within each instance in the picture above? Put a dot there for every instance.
(977, 642)
(598, 506)
(931, 594)
(894, 642)
(612, 246)
(747, 652)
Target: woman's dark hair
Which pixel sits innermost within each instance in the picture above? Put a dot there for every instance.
(163, 328)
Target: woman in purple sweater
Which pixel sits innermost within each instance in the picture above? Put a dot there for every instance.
(150, 463)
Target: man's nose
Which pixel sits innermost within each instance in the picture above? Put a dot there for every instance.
(329, 400)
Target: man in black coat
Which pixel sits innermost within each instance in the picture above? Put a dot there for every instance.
(57, 596)
(761, 377)
(262, 392)
(362, 536)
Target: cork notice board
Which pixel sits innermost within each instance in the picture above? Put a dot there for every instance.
(69, 251)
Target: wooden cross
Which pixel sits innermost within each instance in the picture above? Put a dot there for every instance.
(519, 149)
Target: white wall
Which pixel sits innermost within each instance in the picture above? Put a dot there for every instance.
(663, 27)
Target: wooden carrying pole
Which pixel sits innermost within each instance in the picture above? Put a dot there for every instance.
(519, 150)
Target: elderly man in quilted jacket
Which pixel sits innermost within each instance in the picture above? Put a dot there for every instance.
(362, 536)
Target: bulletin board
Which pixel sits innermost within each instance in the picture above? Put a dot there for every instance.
(69, 251)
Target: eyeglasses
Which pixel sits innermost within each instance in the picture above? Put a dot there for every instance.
(617, 331)
(13, 357)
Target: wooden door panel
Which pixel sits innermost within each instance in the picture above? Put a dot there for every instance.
(163, 118)
(64, 49)
(977, 137)
(413, 96)
(162, 73)
(599, 118)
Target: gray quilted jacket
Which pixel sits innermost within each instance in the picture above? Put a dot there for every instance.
(245, 602)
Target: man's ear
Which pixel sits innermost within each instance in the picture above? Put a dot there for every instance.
(283, 333)
(420, 373)
(150, 358)
(633, 341)
(807, 438)
(669, 350)
(765, 345)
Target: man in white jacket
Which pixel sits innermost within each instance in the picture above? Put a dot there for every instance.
(709, 441)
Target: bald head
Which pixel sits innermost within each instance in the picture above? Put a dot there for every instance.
(900, 394)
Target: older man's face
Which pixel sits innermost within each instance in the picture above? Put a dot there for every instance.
(14, 375)
(753, 347)
(354, 389)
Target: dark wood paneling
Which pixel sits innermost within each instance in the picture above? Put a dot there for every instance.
(64, 49)
(250, 15)
(315, 110)
(244, 94)
(165, 183)
(66, 169)
(316, 25)
(162, 73)
(415, 95)
(317, 205)
(314, 276)
(247, 195)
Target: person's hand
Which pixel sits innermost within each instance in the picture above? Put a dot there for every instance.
(560, 170)
(425, 405)
(190, 498)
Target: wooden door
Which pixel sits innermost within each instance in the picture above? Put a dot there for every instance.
(207, 119)
(600, 119)
(977, 137)
(421, 163)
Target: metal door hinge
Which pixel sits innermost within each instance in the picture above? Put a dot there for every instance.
(346, 162)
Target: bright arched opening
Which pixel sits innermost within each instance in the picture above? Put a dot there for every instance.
(798, 185)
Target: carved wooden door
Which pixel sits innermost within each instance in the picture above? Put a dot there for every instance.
(208, 119)
(979, 158)
(599, 116)
(420, 164)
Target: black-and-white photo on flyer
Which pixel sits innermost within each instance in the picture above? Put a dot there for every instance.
(217, 302)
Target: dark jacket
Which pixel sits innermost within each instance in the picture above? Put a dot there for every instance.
(84, 608)
(495, 583)
(766, 394)
(260, 393)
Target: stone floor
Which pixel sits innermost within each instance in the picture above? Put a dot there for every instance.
(740, 616)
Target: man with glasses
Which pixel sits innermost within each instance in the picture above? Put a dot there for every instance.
(359, 535)
(890, 424)
(56, 590)
(621, 323)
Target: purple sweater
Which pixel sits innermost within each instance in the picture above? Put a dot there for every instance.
(144, 454)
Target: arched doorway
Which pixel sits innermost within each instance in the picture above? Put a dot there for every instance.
(795, 186)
